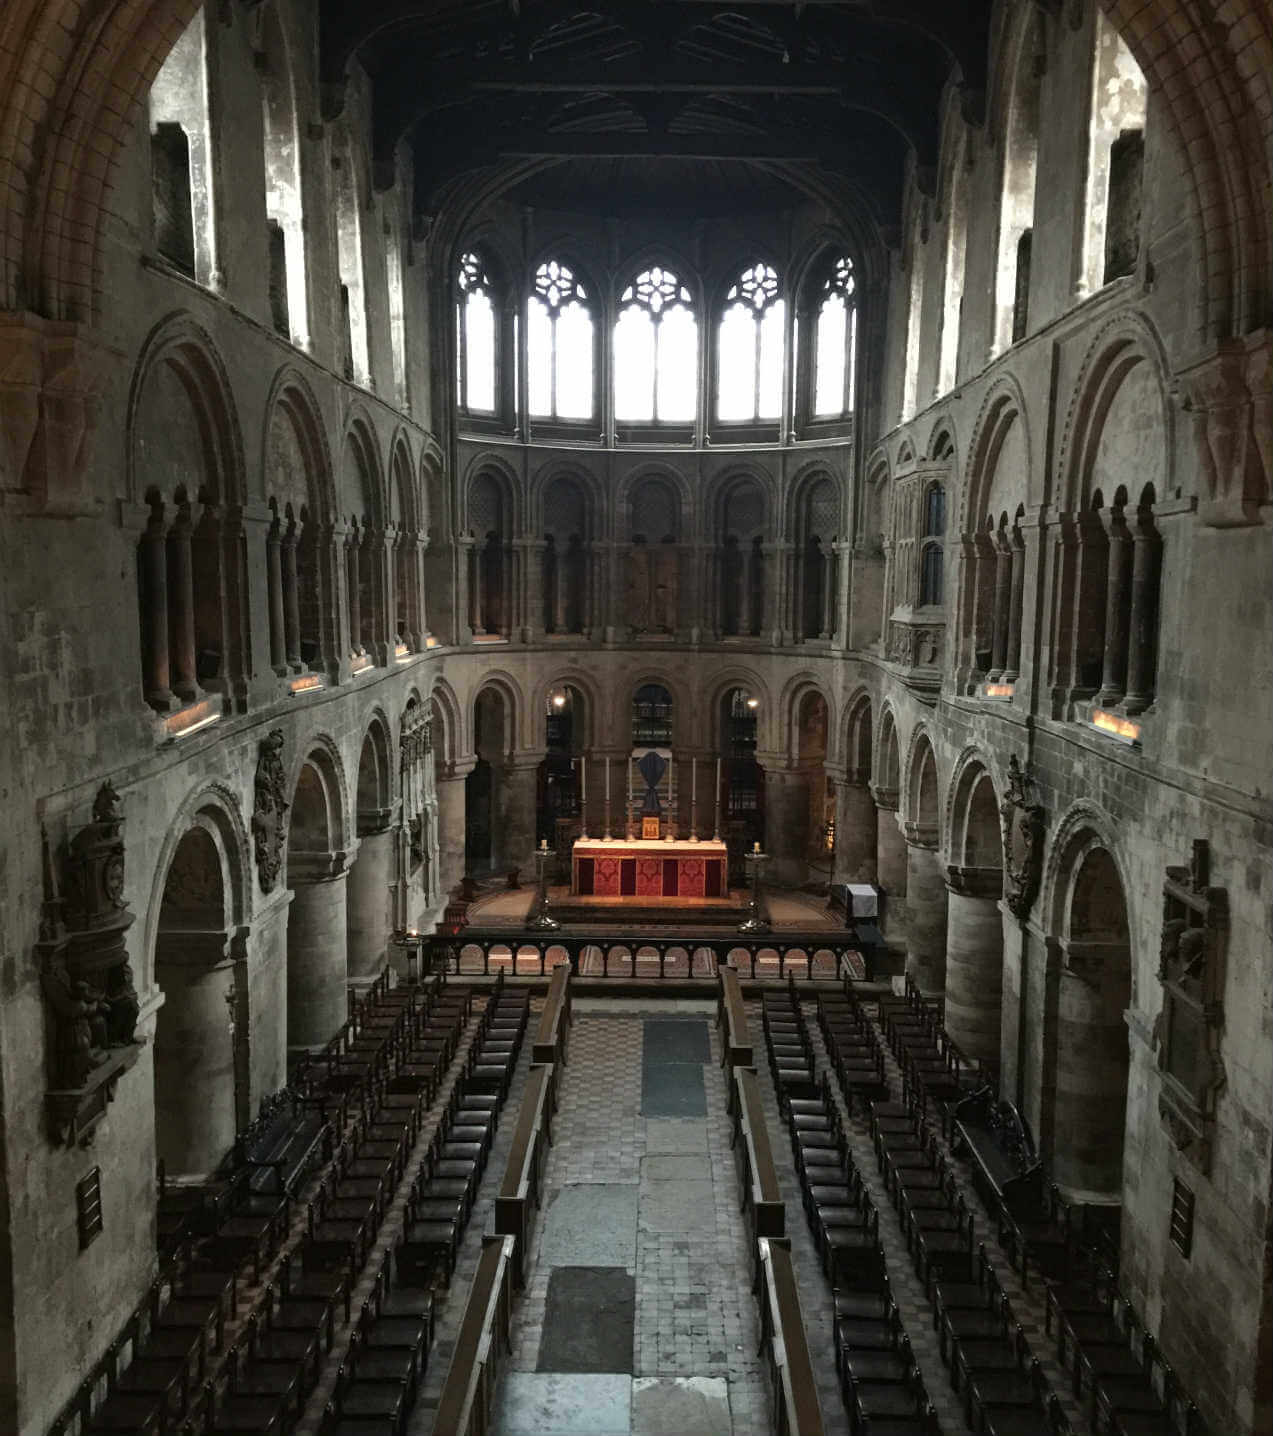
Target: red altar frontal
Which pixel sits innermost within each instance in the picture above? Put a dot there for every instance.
(624, 867)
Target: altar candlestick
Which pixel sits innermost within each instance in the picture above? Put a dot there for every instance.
(671, 798)
(607, 797)
(583, 797)
(630, 796)
(693, 800)
(716, 809)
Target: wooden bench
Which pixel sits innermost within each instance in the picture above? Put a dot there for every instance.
(736, 1048)
(550, 1040)
(761, 1194)
(782, 1333)
(465, 1403)
(521, 1193)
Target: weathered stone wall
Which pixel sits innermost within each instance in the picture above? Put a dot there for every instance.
(70, 643)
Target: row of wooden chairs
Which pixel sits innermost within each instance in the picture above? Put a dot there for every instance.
(879, 1379)
(442, 1195)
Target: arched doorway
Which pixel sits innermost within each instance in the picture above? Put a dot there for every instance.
(925, 879)
(194, 1054)
(742, 796)
(813, 733)
(483, 848)
(890, 845)
(317, 923)
(855, 816)
(369, 909)
(1089, 1108)
(557, 797)
(974, 924)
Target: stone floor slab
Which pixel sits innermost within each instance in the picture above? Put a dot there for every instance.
(675, 1134)
(677, 1167)
(675, 1039)
(672, 1089)
(590, 1224)
(681, 1406)
(686, 1207)
(589, 1319)
(555, 1404)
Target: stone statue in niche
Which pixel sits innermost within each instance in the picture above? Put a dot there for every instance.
(269, 809)
(1021, 820)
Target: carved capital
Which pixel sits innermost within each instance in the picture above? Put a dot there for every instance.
(975, 882)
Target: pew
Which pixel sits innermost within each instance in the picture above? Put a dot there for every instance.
(736, 1048)
(754, 1155)
(519, 1196)
(796, 1408)
(484, 1336)
(549, 1045)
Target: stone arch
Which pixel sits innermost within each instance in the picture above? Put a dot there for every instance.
(1086, 1063)
(292, 400)
(974, 922)
(805, 272)
(199, 962)
(595, 732)
(451, 738)
(591, 493)
(888, 773)
(786, 720)
(372, 874)
(654, 497)
(498, 827)
(510, 695)
(723, 681)
(626, 694)
(666, 257)
(905, 454)
(567, 501)
(857, 750)
(178, 343)
(941, 445)
(1116, 352)
(921, 786)
(363, 474)
(490, 523)
(740, 505)
(185, 464)
(814, 522)
(1003, 405)
(321, 753)
(405, 548)
(503, 481)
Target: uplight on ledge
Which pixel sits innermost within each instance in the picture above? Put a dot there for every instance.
(999, 690)
(1117, 727)
(306, 683)
(192, 718)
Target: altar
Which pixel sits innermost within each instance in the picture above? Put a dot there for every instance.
(649, 868)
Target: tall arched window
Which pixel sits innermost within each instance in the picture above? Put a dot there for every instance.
(933, 547)
(835, 343)
(475, 337)
(655, 351)
(749, 361)
(559, 330)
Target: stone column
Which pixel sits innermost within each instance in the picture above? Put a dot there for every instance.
(787, 825)
(449, 781)
(317, 968)
(274, 582)
(291, 600)
(1016, 602)
(974, 959)
(353, 589)
(1089, 1112)
(855, 832)
(181, 608)
(515, 814)
(1144, 618)
(152, 560)
(194, 1053)
(890, 861)
(371, 882)
(1003, 600)
(1117, 584)
(925, 911)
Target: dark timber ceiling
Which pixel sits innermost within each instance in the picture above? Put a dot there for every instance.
(621, 105)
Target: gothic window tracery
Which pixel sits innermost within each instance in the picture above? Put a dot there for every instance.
(656, 351)
(475, 336)
(835, 343)
(560, 336)
(932, 549)
(751, 341)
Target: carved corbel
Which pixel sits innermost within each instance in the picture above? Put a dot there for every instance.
(1227, 397)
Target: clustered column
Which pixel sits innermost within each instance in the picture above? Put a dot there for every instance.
(890, 861)
(166, 579)
(1117, 596)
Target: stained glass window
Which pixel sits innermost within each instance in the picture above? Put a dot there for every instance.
(475, 337)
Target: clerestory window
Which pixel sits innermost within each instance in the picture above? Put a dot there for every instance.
(750, 359)
(656, 351)
(835, 343)
(560, 334)
(475, 337)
